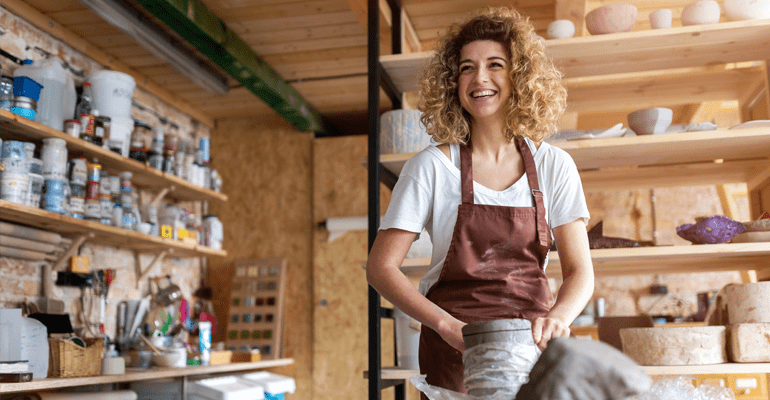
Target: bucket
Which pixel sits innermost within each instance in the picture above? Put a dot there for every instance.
(112, 93)
(120, 134)
(407, 340)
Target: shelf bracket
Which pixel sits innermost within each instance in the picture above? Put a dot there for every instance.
(48, 269)
(156, 200)
(141, 274)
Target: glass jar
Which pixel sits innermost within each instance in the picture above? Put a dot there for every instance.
(6, 92)
(54, 156)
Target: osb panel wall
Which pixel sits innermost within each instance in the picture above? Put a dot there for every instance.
(21, 281)
(340, 287)
(266, 169)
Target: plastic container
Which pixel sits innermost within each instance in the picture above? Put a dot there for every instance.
(35, 191)
(224, 388)
(54, 156)
(14, 187)
(274, 385)
(56, 93)
(55, 197)
(25, 86)
(34, 346)
(112, 93)
(213, 232)
(120, 135)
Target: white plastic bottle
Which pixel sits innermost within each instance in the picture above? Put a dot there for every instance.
(57, 94)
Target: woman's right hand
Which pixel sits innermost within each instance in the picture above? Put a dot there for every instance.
(451, 330)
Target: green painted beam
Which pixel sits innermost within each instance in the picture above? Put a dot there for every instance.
(192, 20)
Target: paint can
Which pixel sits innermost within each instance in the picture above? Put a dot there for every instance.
(54, 156)
(14, 186)
(55, 196)
(35, 191)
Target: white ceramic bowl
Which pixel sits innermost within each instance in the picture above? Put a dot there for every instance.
(611, 18)
(702, 12)
(739, 10)
(661, 19)
(170, 359)
(650, 121)
(561, 29)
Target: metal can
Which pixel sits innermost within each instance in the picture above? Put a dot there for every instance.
(54, 196)
(72, 127)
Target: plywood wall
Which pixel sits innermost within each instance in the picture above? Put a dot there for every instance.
(266, 168)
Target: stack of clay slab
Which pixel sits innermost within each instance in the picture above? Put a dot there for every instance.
(681, 345)
(748, 313)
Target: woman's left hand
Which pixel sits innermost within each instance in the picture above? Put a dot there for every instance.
(547, 328)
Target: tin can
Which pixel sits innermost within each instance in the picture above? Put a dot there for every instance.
(94, 172)
(54, 196)
(93, 210)
(54, 156)
(13, 148)
(92, 190)
(14, 187)
(72, 127)
(35, 192)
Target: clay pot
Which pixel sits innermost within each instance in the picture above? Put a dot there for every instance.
(611, 18)
(650, 121)
(561, 29)
(661, 19)
(702, 12)
(739, 10)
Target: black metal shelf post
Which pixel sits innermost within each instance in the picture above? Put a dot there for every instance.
(379, 78)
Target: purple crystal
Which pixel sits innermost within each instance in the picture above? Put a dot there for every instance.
(712, 230)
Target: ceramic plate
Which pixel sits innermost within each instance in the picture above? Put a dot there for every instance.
(748, 237)
(615, 131)
(760, 123)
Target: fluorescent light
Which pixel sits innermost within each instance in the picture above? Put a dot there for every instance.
(158, 42)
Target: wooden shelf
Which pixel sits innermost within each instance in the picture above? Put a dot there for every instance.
(629, 52)
(137, 374)
(654, 260)
(101, 234)
(14, 127)
(675, 159)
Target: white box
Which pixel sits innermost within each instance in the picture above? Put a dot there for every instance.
(273, 384)
(224, 388)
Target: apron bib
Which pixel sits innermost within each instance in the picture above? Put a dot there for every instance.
(493, 269)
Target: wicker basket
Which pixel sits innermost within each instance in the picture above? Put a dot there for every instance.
(70, 360)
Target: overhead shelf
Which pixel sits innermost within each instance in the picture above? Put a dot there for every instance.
(14, 127)
(101, 234)
(654, 260)
(628, 52)
(675, 159)
(138, 374)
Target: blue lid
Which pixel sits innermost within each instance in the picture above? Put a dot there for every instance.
(27, 61)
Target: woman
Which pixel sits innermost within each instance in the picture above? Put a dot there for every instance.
(487, 196)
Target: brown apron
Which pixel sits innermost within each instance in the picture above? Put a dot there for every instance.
(493, 269)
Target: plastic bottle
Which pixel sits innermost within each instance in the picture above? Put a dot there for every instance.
(56, 93)
(85, 113)
(155, 155)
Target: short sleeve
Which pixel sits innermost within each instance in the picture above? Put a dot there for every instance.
(568, 201)
(410, 203)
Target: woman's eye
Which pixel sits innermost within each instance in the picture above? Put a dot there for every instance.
(464, 68)
(496, 65)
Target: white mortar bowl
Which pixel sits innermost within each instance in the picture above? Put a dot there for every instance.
(650, 121)
(561, 29)
(611, 18)
(702, 12)
(739, 10)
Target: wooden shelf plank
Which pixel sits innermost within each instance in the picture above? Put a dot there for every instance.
(675, 159)
(648, 50)
(137, 374)
(101, 234)
(15, 127)
(393, 373)
(654, 260)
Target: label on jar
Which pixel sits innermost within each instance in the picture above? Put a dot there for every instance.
(77, 204)
(93, 209)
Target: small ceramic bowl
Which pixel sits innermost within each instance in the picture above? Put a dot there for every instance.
(661, 19)
(739, 10)
(701, 12)
(650, 121)
(561, 29)
(170, 359)
(611, 18)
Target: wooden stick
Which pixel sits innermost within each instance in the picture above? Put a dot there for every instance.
(27, 244)
(155, 349)
(24, 232)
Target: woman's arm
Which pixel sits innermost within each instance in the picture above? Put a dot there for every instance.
(384, 274)
(577, 287)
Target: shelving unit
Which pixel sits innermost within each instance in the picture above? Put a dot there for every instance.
(630, 71)
(136, 374)
(15, 127)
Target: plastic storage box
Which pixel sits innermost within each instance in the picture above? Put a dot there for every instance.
(274, 385)
(224, 388)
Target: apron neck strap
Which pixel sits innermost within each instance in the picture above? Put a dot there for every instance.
(529, 167)
(466, 172)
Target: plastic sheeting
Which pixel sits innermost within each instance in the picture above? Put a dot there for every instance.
(681, 388)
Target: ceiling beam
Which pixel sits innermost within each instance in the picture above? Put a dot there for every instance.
(56, 30)
(194, 22)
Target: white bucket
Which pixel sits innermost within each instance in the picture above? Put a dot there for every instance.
(407, 340)
(120, 131)
(112, 92)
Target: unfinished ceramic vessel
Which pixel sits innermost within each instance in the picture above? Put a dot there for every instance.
(739, 10)
(691, 345)
(561, 29)
(702, 12)
(661, 19)
(611, 18)
(712, 230)
(650, 121)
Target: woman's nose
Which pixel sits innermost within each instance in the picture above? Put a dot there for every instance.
(482, 75)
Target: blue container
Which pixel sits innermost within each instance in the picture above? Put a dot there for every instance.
(24, 112)
(54, 199)
(204, 146)
(25, 86)
(13, 148)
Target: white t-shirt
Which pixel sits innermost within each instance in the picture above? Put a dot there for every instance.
(428, 193)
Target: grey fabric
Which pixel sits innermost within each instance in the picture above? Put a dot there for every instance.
(573, 369)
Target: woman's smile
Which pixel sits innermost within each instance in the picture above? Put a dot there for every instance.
(484, 86)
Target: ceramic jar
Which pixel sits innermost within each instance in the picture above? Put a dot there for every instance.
(702, 12)
(561, 29)
(739, 10)
(661, 19)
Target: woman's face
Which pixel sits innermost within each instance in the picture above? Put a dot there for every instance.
(484, 87)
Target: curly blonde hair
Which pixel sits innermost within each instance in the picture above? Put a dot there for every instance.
(537, 96)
